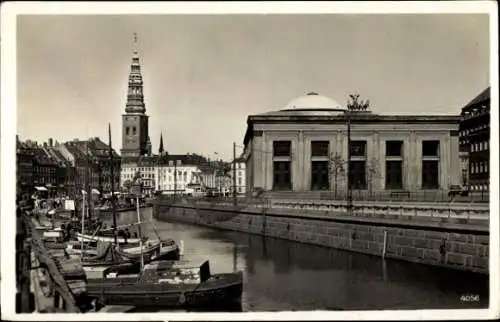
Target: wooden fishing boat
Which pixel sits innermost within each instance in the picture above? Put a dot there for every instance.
(168, 285)
(106, 239)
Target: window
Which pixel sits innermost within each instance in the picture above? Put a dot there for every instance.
(239, 181)
(358, 148)
(357, 175)
(319, 148)
(394, 148)
(319, 175)
(134, 130)
(127, 130)
(282, 148)
(486, 145)
(394, 175)
(430, 174)
(430, 148)
(486, 167)
(282, 175)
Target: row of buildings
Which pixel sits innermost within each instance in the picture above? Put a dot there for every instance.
(65, 168)
(54, 168)
(185, 174)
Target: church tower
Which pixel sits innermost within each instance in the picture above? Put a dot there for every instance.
(135, 121)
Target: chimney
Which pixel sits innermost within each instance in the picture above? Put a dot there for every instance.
(51, 142)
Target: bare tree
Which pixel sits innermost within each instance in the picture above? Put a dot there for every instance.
(336, 168)
(373, 173)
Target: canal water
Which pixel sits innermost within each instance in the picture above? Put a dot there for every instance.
(284, 275)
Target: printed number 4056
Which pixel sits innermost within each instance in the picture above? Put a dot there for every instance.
(469, 298)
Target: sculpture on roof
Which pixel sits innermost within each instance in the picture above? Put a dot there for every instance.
(357, 106)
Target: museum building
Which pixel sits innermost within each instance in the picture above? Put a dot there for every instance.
(304, 147)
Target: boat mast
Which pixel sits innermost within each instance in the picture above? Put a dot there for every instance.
(139, 228)
(113, 207)
(83, 223)
(83, 199)
(89, 182)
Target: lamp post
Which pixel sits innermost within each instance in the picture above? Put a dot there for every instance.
(347, 115)
(349, 188)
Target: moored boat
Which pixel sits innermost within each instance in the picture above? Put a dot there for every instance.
(106, 239)
(168, 285)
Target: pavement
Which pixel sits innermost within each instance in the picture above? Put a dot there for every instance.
(480, 219)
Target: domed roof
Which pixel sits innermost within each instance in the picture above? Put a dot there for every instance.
(313, 101)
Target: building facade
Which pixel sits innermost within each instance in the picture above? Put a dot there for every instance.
(24, 169)
(475, 142)
(238, 168)
(304, 147)
(45, 174)
(167, 174)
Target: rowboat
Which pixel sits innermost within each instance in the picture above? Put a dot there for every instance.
(168, 285)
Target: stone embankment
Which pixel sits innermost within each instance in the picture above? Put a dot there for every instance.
(458, 240)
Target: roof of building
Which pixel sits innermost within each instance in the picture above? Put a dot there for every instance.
(43, 158)
(314, 108)
(58, 156)
(481, 98)
(155, 160)
(74, 149)
(93, 147)
(312, 100)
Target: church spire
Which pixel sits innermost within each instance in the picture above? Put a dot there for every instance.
(160, 149)
(135, 95)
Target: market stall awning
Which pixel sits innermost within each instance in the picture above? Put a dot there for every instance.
(41, 189)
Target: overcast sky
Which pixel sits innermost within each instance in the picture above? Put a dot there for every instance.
(203, 75)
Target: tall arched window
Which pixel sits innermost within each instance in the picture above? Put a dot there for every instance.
(134, 130)
(127, 130)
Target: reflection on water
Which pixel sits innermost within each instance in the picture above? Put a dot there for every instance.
(285, 275)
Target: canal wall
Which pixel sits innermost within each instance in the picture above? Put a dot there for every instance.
(441, 243)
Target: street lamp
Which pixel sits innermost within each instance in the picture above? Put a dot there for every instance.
(347, 115)
(349, 188)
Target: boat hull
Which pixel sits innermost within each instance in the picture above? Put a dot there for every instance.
(105, 239)
(221, 293)
(131, 263)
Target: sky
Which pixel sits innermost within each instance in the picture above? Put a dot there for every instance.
(204, 74)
